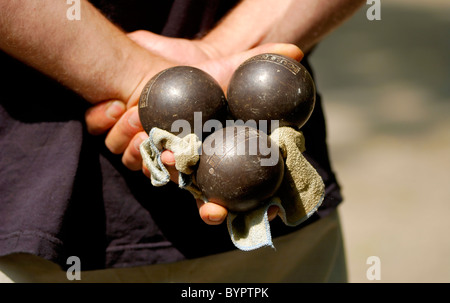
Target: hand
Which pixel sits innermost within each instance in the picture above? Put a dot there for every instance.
(127, 133)
(210, 213)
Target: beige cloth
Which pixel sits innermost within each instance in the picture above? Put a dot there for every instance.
(299, 196)
(315, 253)
(186, 151)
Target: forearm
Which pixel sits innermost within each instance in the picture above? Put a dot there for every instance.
(90, 56)
(301, 22)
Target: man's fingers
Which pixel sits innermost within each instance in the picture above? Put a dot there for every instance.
(285, 49)
(102, 116)
(123, 131)
(272, 212)
(211, 213)
(154, 43)
(143, 38)
(168, 159)
(132, 156)
(223, 70)
(214, 214)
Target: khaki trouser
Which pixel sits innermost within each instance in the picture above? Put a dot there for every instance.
(312, 254)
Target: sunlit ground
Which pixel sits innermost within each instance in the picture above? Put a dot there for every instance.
(386, 91)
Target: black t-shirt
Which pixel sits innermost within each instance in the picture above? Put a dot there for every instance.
(62, 193)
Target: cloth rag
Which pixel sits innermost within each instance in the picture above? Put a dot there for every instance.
(186, 152)
(300, 194)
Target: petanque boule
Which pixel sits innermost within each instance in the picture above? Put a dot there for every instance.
(272, 87)
(240, 168)
(175, 95)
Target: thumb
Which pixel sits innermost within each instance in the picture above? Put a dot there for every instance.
(288, 50)
(102, 116)
(150, 41)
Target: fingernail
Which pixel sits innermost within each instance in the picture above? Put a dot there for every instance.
(115, 109)
(168, 159)
(216, 218)
(289, 50)
(133, 119)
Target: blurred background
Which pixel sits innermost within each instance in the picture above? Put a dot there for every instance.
(386, 91)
